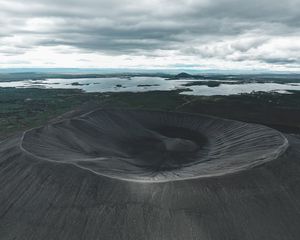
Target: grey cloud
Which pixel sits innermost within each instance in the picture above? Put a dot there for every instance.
(246, 45)
(280, 60)
(143, 27)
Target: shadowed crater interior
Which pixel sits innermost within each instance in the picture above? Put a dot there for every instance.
(169, 148)
(154, 146)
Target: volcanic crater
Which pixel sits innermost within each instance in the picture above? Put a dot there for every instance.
(154, 146)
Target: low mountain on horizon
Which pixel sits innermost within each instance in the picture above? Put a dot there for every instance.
(184, 75)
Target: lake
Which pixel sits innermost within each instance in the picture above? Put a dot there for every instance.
(143, 84)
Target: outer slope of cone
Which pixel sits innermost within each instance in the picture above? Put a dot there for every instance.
(52, 185)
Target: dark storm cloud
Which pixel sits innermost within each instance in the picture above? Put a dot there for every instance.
(143, 27)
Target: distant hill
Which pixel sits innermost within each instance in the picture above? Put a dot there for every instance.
(183, 75)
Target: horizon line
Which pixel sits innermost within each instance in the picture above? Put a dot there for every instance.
(142, 70)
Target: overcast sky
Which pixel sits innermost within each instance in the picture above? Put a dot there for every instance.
(201, 34)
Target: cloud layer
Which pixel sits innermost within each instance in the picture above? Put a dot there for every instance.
(225, 34)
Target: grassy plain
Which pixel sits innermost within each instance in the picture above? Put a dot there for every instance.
(21, 109)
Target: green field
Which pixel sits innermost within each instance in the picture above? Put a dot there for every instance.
(21, 109)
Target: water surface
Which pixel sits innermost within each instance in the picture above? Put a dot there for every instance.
(143, 84)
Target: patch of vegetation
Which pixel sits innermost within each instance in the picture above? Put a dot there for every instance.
(21, 109)
(206, 83)
(26, 108)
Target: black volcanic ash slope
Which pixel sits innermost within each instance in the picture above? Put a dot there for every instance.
(116, 174)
